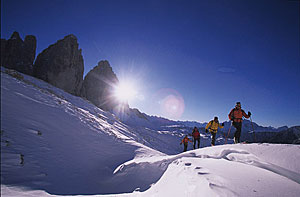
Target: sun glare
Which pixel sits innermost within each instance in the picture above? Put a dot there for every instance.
(125, 91)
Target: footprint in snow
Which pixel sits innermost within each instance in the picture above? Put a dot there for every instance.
(203, 173)
(220, 189)
(213, 185)
(37, 132)
(188, 164)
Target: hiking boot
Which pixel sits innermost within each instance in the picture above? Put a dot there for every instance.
(235, 140)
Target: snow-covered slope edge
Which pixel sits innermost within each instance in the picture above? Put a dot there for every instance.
(60, 143)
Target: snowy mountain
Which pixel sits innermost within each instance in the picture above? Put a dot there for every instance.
(142, 121)
(54, 143)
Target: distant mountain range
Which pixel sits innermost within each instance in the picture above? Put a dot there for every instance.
(257, 133)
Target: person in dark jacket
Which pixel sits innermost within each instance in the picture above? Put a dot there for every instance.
(236, 116)
(196, 136)
(185, 142)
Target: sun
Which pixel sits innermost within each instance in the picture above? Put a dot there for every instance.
(125, 91)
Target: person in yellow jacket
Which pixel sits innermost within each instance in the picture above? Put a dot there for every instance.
(212, 127)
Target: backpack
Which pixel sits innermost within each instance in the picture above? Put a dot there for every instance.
(196, 133)
(232, 115)
(211, 123)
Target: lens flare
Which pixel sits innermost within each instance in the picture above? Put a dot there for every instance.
(171, 103)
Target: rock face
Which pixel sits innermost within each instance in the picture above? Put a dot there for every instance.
(3, 46)
(18, 54)
(61, 65)
(98, 86)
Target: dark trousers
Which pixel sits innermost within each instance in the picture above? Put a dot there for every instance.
(237, 134)
(185, 147)
(213, 138)
(196, 140)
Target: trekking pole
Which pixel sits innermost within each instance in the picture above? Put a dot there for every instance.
(228, 134)
(253, 130)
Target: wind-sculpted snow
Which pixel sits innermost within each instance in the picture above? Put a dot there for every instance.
(223, 171)
(250, 159)
(53, 143)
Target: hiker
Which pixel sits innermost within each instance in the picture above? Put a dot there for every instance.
(236, 116)
(185, 141)
(212, 127)
(196, 136)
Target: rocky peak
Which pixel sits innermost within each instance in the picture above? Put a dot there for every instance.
(15, 36)
(98, 86)
(61, 64)
(29, 40)
(18, 54)
(104, 69)
(70, 36)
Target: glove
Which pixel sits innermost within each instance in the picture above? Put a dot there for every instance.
(249, 113)
(206, 131)
(222, 124)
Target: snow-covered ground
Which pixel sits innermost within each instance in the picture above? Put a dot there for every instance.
(53, 143)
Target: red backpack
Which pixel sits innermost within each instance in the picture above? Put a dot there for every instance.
(196, 133)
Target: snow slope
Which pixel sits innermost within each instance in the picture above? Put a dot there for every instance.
(53, 143)
(69, 145)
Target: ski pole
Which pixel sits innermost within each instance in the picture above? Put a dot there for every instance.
(228, 134)
(253, 130)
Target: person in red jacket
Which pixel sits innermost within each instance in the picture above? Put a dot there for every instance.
(236, 116)
(185, 142)
(196, 136)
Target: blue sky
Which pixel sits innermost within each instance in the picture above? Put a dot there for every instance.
(205, 54)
